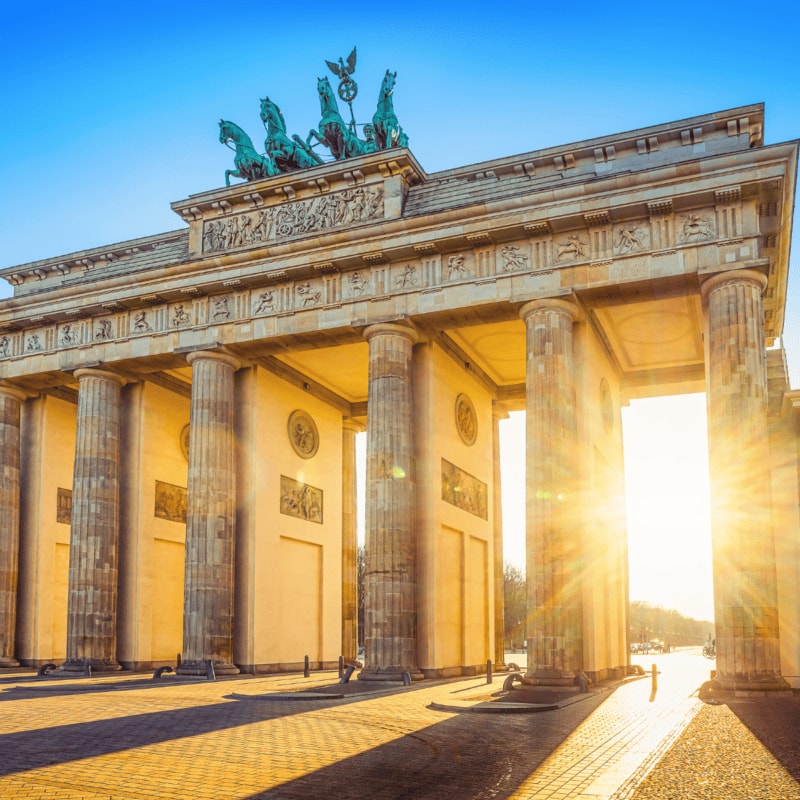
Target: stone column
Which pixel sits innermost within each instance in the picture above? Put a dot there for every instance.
(210, 517)
(498, 413)
(745, 580)
(390, 628)
(94, 532)
(349, 542)
(553, 519)
(10, 404)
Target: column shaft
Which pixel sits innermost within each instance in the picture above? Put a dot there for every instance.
(210, 518)
(94, 532)
(497, 531)
(349, 542)
(745, 580)
(10, 403)
(390, 579)
(553, 519)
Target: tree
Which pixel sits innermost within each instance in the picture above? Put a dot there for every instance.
(515, 602)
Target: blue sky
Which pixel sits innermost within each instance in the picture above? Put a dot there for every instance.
(111, 112)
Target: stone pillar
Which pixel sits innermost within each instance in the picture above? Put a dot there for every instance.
(745, 580)
(210, 517)
(390, 625)
(10, 404)
(94, 532)
(498, 413)
(553, 518)
(349, 542)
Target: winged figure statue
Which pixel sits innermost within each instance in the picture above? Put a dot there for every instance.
(343, 70)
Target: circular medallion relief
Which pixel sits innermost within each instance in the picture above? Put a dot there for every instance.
(466, 420)
(184, 441)
(303, 434)
(606, 406)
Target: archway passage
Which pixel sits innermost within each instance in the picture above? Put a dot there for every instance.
(668, 506)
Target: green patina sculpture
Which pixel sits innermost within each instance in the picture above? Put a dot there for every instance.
(388, 132)
(334, 132)
(286, 153)
(249, 164)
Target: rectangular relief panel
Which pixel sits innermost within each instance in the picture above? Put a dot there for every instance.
(464, 491)
(170, 502)
(301, 500)
(64, 506)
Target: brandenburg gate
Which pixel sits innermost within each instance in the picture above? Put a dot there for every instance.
(179, 412)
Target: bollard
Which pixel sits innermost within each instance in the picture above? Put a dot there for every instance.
(508, 683)
(348, 673)
(87, 668)
(179, 660)
(406, 679)
(654, 679)
(306, 668)
(160, 671)
(341, 667)
(489, 671)
(210, 674)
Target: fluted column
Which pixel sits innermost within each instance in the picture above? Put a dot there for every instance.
(390, 580)
(745, 581)
(349, 541)
(94, 532)
(210, 517)
(10, 404)
(553, 527)
(498, 413)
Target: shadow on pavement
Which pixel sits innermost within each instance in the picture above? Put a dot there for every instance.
(61, 744)
(775, 722)
(466, 756)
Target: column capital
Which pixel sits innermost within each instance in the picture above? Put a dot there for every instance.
(13, 391)
(553, 304)
(214, 355)
(352, 426)
(396, 328)
(733, 276)
(499, 411)
(93, 372)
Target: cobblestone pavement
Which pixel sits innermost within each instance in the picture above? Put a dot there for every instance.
(128, 738)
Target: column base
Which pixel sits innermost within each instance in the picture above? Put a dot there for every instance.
(551, 677)
(8, 662)
(393, 673)
(743, 683)
(79, 665)
(202, 668)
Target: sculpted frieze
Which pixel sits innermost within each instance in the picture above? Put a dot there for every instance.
(301, 500)
(464, 491)
(102, 331)
(625, 249)
(326, 212)
(170, 502)
(514, 260)
(457, 269)
(631, 238)
(573, 249)
(696, 228)
(64, 506)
